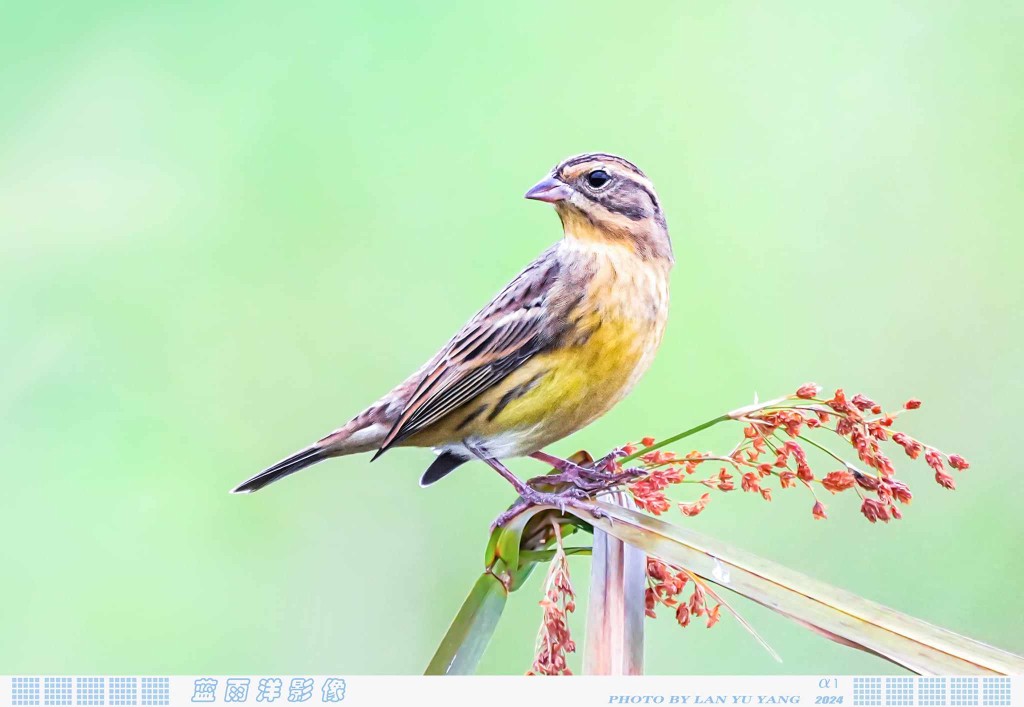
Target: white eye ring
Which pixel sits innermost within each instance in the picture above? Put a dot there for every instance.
(598, 179)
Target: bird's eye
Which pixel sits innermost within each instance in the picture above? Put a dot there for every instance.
(598, 178)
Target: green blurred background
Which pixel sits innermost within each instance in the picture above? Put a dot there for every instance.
(226, 226)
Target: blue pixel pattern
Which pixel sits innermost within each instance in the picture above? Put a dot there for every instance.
(963, 692)
(24, 691)
(56, 691)
(156, 691)
(89, 691)
(995, 692)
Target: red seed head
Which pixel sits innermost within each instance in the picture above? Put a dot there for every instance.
(958, 462)
(836, 481)
(945, 480)
(696, 507)
(875, 510)
(898, 490)
(713, 615)
(934, 459)
(808, 391)
(683, 615)
(862, 402)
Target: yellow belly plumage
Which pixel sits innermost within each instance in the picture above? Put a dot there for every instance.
(621, 321)
(578, 385)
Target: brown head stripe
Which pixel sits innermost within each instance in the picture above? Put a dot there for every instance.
(597, 157)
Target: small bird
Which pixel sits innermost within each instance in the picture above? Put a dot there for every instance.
(555, 350)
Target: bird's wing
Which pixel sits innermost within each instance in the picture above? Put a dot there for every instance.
(498, 340)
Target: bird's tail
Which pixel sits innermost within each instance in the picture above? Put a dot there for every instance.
(296, 462)
(360, 435)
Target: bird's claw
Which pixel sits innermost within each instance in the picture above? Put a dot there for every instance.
(571, 497)
(592, 478)
(607, 462)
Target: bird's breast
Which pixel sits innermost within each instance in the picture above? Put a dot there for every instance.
(613, 331)
(622, 320)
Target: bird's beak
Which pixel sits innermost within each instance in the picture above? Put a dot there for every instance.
(550, 190)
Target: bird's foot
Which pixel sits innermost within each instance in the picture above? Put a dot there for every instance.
(608, 461)
(591, 478)
(570, 497)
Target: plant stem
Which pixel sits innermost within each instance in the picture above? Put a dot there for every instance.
(547, 555)
(614, 642)
(824, 449)
(672, 440)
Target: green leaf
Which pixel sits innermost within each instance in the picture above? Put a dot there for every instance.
(510, 540)
(530, 530)
(519, 545)
(830, 611)
(471, 631)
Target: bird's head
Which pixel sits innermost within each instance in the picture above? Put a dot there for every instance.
(605, 198)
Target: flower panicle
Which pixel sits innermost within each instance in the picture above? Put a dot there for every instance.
(777, 436)
(554, 640)
(667, 585)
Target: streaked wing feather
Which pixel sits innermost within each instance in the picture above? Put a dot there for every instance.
(462, 380)
(446, 400)
(497, 341)
(454, 398)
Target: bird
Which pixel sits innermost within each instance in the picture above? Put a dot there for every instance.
(556, 349)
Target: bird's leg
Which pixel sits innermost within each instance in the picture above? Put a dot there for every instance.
(592, 477)
(571, 497)
(608, 461)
